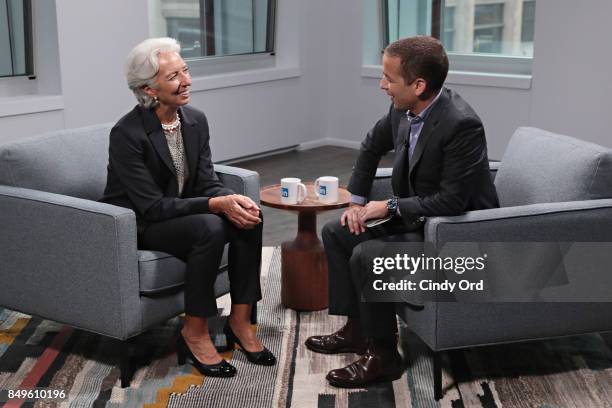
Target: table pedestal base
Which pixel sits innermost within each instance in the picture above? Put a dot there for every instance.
(304, 283)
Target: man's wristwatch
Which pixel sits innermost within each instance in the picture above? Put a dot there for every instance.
(392, 207)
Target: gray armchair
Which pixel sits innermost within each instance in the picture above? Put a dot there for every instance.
(552, 188)
(68, 258)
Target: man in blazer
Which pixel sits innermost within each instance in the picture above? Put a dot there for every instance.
(440, 168)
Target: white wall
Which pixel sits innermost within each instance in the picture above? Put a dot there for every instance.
(95, 37)
(569, 92)
(329, 99)
(502, 110)
(91, 40)
(572, 69)
(355, 102)
(571, 78)
(18, 95)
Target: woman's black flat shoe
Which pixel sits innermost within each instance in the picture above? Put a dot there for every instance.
(263, 357)
(184, 355)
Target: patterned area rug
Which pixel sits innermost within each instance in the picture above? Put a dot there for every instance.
(568, 372)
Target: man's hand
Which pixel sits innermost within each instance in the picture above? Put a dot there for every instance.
(351, 218)
(239, 209)
(373, 210)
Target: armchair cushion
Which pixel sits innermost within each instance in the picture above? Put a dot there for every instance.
(70, 162)
(161, 272)
(543, 167)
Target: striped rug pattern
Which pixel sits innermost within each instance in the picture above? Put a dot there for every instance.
(568, 372)
(47, 355)
(253, 386)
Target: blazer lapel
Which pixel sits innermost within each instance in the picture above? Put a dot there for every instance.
(155, 132)
(191, 141)
(430, 124)
(398, 176)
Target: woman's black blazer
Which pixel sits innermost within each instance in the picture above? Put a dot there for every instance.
(141, 175)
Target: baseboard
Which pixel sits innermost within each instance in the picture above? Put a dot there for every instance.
(313, 144)
(330, 141)
(258, 155)
(350, 144)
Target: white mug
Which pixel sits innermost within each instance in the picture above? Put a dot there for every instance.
(326, 189)
(292, 190)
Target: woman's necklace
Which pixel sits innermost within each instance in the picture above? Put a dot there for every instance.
(171, 127)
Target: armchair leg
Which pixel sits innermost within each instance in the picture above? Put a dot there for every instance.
(125, 367)
(437, 375)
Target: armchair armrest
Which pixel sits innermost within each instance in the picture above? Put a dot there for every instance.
(242, 181)
(383, 173)
(584, 221)
(570, 264)
(70, 260)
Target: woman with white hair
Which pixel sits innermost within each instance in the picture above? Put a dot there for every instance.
(160, 166)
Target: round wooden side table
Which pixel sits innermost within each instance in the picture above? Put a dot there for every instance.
(304, 283)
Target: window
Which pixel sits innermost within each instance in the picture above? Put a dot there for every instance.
(406, 18)
(527, 25)
(488, 27)
(15, 38)
(214, 28)
(448, 37)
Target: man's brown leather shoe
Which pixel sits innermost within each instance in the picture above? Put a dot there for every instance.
(346, 340)
(378, 364)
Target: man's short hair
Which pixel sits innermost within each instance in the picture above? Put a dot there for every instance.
(421, 57)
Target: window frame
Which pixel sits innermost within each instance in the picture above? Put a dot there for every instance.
(28, 40)
(245, 69)
(497, 25)
(532, 4)
(207, 34)
(452, 29)
(468, 64)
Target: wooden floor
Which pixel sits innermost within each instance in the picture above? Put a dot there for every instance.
(308, 165)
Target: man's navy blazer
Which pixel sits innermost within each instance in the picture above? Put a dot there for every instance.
(449, 169)
(141, 174)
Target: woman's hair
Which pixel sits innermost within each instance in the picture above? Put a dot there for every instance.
(142, 66)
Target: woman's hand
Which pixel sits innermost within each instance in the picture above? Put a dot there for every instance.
(239, 209)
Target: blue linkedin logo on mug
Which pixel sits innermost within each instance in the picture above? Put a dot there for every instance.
(292, 190)
(326, 188)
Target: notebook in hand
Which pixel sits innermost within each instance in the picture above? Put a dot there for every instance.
(377, 221)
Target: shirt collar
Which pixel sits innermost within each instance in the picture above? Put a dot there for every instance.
(427, 109)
